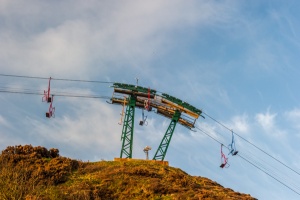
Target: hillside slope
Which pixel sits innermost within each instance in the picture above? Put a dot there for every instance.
(28, 172)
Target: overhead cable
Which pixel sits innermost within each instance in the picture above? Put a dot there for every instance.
(57, 79)
(60, 95)
(259, 168)
(251, 143)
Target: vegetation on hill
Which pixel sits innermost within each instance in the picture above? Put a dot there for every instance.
(31, 173)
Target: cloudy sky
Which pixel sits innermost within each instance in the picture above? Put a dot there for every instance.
(236, 60)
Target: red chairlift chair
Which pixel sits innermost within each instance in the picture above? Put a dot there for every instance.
(51, 110)
(224, 160)
(46, 96)
(147, 102)
(147, 107)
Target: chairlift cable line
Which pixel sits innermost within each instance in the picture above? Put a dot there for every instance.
(15, 88)
(61, 79)
(249, 157)
(19, 76)
(211, 137)
(269, 174)
(251, 143)
(59, 95)
(259, 168)
(258, 164)
(261, 163)
(276, 172)
(57, 79)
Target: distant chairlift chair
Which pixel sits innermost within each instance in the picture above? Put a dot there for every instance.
(224, 160)
(46, 97)
(232, 149)
(51, 110)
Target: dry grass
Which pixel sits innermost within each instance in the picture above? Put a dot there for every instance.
(28, 172)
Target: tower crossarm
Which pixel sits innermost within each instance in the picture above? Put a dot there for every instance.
(180, 108)
(164, 109)
(134, 88)
(184, 122)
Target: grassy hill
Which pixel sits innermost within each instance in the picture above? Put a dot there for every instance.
(31, 173)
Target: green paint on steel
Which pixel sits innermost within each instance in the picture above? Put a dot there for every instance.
(182, 103)
(133, 88)
(128, 126)
(127, 131)
(163, 147)
(153, 92)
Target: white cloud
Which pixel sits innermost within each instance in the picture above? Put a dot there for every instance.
(240, 124)
(83, 133)
(84, 38)
(59, 50)
(266, 120)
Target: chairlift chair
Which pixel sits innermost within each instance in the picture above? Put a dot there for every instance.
(224, 160)
(51, 110)
(46, 96)
(122, 113)
(232, 148)
(147, 107)
(147, 102)
(144, 119)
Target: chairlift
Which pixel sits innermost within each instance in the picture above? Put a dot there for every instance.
(46, 96)
(122, 113)
(224, 160)
(144, 119)
(147, 102)
(232, 148)
(147, 105)
(51, 110)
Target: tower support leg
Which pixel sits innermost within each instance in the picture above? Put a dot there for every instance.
(163, 147)
(127, 131)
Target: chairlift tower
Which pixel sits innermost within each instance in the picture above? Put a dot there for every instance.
(127, 131)
(163, 104)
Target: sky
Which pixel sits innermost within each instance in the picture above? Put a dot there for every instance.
(236, 60)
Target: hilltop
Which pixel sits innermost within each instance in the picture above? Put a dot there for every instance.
(31, 173)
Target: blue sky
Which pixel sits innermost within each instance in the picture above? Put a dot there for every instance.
(235, 60)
